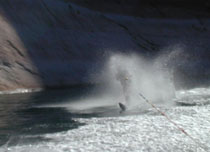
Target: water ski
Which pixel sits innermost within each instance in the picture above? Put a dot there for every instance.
(122, 107)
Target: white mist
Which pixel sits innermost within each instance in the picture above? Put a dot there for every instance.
(121, 81)
(125, 76)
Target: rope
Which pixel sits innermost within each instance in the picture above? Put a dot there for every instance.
(204, 147)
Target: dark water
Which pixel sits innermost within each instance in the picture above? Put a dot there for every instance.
(22, 114)
(24, 118)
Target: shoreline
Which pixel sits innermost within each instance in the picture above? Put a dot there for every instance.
(47, 88)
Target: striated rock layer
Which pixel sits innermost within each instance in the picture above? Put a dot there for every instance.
(56, 43)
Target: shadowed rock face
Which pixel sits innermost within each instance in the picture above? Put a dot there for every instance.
(150, 8)
(56, 43)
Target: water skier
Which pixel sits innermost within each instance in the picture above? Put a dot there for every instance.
(125, 80)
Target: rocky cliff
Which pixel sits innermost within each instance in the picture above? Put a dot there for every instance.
(55, 43)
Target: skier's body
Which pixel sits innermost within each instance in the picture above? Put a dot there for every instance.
(124, 78)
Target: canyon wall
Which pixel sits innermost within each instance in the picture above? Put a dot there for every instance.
(57, 43)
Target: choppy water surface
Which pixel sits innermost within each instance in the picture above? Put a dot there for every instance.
(53, 121)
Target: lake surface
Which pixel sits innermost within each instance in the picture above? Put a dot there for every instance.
(46, 121)
(21, 115)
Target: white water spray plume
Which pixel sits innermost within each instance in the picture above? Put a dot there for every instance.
(122, 79)
(126, 75)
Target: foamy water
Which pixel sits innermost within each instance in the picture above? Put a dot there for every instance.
(139, 132)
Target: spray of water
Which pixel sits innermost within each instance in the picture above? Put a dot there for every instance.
(126, 75)
(123, 78)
